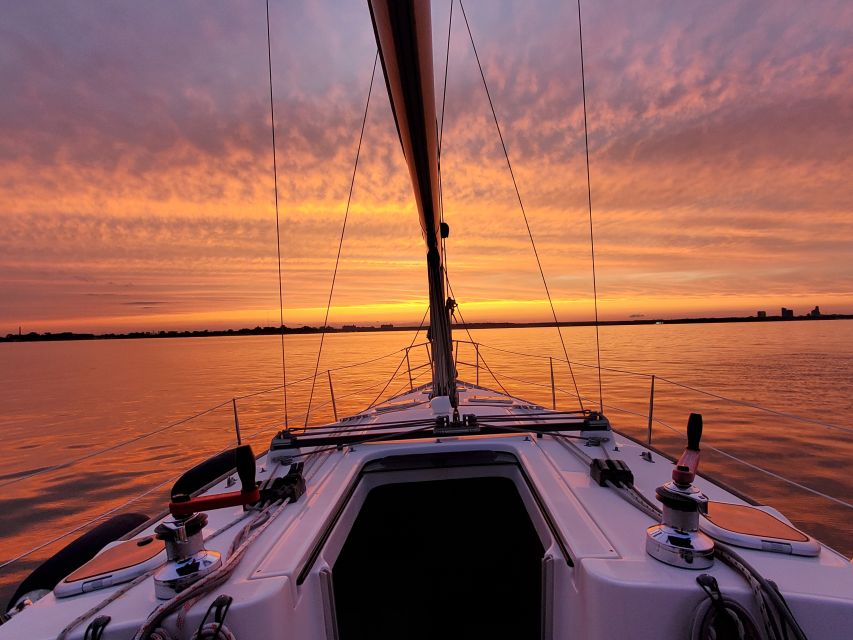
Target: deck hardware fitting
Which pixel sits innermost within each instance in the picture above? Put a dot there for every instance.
(95, 630)
(647, 456)
(467, 425)
(188, 560)
(651, 411)
(289, 487)
(677, 540)
(219, 607)
(608, 470)
(236, 422)
(332, 394)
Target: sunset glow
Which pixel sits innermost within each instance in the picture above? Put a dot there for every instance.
(136, 186)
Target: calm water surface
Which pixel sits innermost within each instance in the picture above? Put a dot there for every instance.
(63, 401)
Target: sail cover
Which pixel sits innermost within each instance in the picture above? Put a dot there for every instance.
(403, 30)
(404, 35)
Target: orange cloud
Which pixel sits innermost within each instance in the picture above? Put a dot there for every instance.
(136, 188)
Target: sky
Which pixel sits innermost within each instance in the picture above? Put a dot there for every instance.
(136, 183)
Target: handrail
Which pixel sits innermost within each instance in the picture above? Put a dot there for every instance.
(477, 346)
(713, 448)
(113, 447)
(110, 511)
(88, 456)
(559, 359)
(751, 405)
(711, 394)
(763, 470)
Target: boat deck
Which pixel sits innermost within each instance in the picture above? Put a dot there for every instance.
(598, 581)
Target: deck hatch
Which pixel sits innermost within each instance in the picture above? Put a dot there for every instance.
(439, 460)
(450, 558)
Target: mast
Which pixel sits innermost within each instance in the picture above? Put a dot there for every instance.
(403, 30)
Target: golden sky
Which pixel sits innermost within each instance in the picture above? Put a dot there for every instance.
(136, 186)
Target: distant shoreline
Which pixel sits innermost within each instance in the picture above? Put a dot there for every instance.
(261, 331)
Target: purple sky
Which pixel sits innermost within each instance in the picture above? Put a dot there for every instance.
(136, 183)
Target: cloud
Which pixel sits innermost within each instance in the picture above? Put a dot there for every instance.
(135, 149)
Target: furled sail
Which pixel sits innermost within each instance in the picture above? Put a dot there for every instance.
(403, 30)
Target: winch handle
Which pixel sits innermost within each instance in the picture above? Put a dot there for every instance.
(694, 431)
(685, 469)
(244, 458)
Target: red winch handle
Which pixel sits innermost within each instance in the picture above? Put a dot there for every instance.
(248, 494)
(685, 469)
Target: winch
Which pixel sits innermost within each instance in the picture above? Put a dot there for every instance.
(187, 559)
(677, 540)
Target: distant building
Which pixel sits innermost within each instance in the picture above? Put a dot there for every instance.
(787, 313)
(762, 314)
(349, 327)
(815, 313)
(386, 326)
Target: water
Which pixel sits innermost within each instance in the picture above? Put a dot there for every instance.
(63, 401)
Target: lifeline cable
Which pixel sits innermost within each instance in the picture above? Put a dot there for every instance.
(277, 226)
(341, 241)
(520, 203)
(406, 355)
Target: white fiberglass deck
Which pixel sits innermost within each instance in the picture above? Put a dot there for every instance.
(597, 582)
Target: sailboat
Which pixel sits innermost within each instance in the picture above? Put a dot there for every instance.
(451, 510)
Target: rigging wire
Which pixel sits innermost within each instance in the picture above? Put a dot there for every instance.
(399, 366)
(520, 203)
(341, 241)
(755, 467)
(113, 447)
(751, 405)
(444, 91)
(470, 337)
(277, 225)
(589, 204)
(440, 139)
(103, 515)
